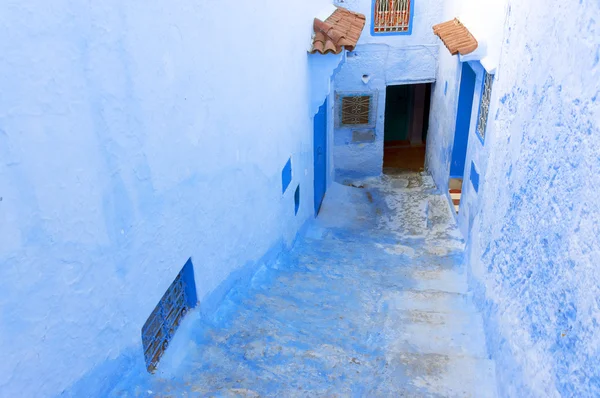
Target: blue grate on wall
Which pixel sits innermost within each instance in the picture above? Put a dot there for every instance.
(286, 175)
(162, 324)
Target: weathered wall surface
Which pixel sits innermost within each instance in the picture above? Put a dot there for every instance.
(135, 135)
(385, 60)
(485, 19)
(533, 246)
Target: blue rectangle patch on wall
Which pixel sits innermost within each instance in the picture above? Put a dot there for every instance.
(474, 177)
(162, 324)
(286, 175)
(297, 200)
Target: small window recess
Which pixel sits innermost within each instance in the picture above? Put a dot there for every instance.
(392, 17)
(164, 321)
(484, 105)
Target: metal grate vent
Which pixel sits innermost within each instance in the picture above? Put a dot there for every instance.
(484, 104)
(356, 110)
(162, 324)
(392, 16)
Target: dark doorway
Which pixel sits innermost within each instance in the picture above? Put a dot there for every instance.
(397, 115)
(405, 127)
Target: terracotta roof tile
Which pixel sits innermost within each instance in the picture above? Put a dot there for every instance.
(338, 32)
(456, 37)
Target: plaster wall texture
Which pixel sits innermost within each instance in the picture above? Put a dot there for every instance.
(135, 135)
(485, 19)
(532, 243)
(385, 60)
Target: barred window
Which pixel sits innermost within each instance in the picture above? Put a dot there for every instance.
(356, 110)
(164, 321)
(484, 104)
(392, 16)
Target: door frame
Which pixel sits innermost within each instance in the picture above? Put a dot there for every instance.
(466, 97)
(320, 136)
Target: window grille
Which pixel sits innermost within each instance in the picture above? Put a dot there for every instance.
(484, 104)
(162, 324)
(392, 16)
(356, 110)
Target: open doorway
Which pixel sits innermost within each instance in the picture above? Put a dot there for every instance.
(406, 125)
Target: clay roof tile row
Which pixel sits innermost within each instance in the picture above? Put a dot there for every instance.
(341, 30)
(456, 37)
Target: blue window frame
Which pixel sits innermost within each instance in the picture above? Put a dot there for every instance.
(484, 105)
(392, 17)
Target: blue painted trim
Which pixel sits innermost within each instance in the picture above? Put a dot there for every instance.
(297, 200)
(466, 94)
(190, 284)
(320, 156)
(286, 175)
(410, 21)
(474, 177)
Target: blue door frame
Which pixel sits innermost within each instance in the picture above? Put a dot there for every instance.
(320, 156)
(463, 121)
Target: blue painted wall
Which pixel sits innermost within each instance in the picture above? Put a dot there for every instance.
(385, 60)
(533, 247)
(134, 135)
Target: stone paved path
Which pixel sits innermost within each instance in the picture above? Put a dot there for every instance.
(373, 302)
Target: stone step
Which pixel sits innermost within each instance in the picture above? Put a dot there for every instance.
(425, 332)
(442, 375)
(367, 276)
(443, 280)
(430, 247)
(428, 300)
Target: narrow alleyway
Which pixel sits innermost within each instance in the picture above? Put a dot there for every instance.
(372, 302)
